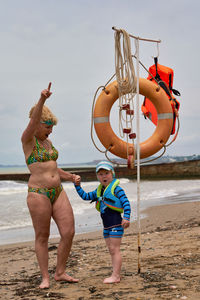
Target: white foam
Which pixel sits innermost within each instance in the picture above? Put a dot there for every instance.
(12, 187)
(15, 224)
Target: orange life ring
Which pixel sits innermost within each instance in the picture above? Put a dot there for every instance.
(116, 145)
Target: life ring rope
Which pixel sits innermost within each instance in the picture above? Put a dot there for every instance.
(92, 116)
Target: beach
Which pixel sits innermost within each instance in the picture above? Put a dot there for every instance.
(169, 262)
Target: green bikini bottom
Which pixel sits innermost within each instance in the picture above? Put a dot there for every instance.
(52, 193)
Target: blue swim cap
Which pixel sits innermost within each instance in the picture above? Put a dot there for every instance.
(105, 165)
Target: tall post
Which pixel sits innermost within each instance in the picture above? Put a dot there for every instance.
(138, 153)
(137, 39)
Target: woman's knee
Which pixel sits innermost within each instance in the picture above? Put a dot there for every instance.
(68, 233)
(42, 237)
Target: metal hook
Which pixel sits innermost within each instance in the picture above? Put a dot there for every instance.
(158, 50)
(158, 53)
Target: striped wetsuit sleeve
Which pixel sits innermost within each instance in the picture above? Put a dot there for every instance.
(86, 196)
(119, 193)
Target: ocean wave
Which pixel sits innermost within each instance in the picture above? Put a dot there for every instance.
(160, 194)
(12, 187)
(15, 225)
(151, 192)
(90, 184)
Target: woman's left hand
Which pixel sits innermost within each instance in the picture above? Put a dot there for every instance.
(76, 179)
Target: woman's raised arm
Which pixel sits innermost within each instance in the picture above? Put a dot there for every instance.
(29, 132)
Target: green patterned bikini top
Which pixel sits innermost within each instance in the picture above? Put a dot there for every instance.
(40, 154)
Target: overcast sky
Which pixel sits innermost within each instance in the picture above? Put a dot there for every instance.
(71, 44)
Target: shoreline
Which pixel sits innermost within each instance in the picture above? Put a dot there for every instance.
(19, 227)
(170, 261)
(147, 224)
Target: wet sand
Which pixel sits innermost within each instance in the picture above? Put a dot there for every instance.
(169, 261)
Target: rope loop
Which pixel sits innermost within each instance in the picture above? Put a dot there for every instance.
(124, 67)
(127, 82)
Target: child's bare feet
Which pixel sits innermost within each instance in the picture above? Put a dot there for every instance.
(44, 284)
(65, 277)
(112, 279)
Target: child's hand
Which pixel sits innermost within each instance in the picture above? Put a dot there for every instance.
(77, 179)
(125, 223)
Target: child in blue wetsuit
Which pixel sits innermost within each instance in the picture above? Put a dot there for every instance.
(111, 202)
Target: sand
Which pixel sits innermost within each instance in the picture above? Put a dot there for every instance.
(169, 262)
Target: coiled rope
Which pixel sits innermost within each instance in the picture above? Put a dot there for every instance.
(127, 83)
(125, 72)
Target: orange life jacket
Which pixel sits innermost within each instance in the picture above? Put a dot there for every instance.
(164, 77)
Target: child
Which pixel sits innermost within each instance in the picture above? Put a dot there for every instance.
(111, 201)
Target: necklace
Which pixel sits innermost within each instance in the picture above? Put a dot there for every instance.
(45, 144)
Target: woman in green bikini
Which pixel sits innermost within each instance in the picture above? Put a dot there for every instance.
(46, 196)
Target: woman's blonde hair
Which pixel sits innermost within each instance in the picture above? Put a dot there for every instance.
(46, 115)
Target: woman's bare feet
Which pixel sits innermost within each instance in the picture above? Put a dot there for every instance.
(65, 277)
(44, 284)
(112, 279)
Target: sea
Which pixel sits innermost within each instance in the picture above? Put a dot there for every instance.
(16, 224)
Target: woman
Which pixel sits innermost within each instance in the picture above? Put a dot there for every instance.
(46, 196)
